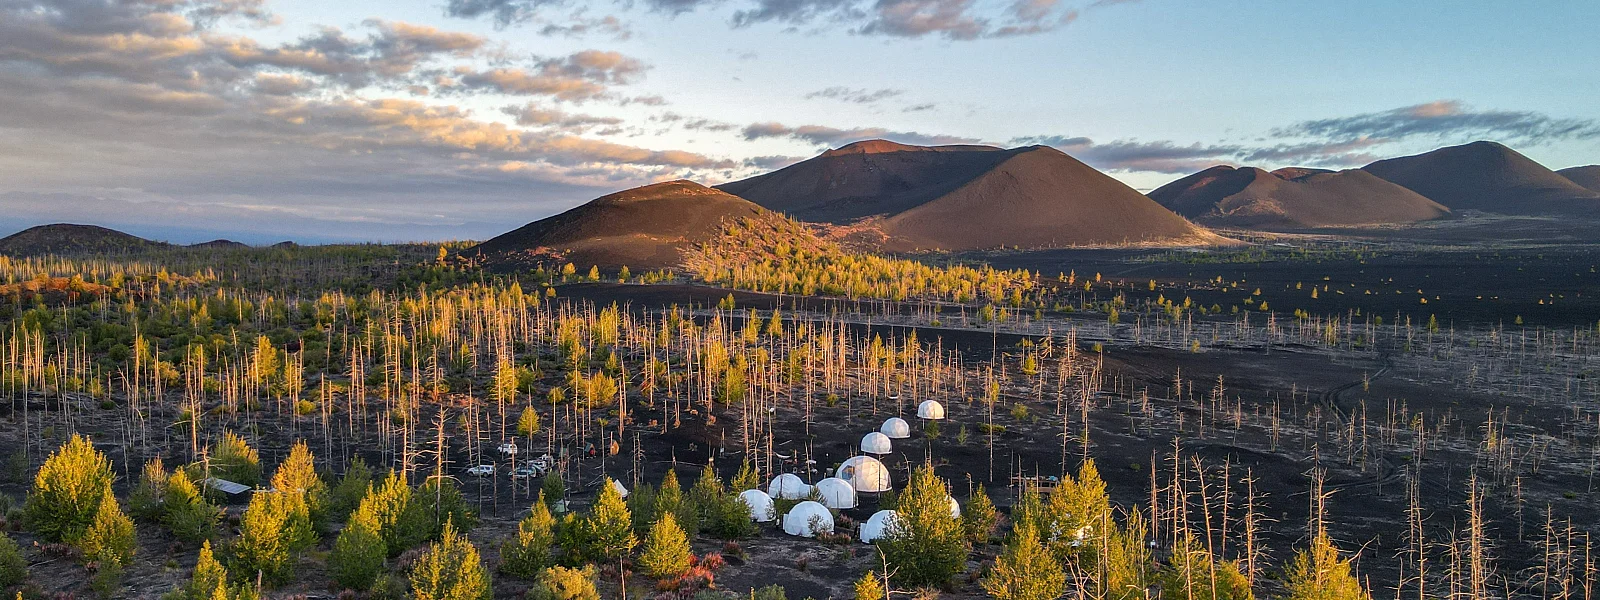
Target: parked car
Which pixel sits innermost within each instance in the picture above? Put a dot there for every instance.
(526, 471)
(481, 471)
(509, 448)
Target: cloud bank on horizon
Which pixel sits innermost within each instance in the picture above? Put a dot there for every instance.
(275, 119)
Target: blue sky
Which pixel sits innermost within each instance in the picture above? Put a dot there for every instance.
(458, 119)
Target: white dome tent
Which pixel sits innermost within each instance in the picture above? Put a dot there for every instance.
(877, 526)
(896, 428)
(876, 443)
(788, 486)
(807, 519)
(930, 410)
(866, 474)
(837, 493)
(617, 485)
(761, 506)
(955, 507)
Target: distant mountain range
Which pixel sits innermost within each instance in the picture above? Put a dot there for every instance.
(642, 228)
(1481, 176)
(69, 239)
(1588, 177)
(957, 198)
(1294, 198)
(880, 195)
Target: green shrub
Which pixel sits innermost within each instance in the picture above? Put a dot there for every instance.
(13, 567)
(528, 553)
(297, 476)
(185, 512)
(1025, 570)
(561, 583)
(869, 587)
(109, 539)
(666, 550)
(358, 553)
(346, 496)
(927, 546)
(234, 460)
(265, 538)
(606, 533)
(145, 500)
(450, 570)
(67, 491)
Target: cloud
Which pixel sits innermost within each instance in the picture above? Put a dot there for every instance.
(503, 12)
(769, 163)
(1447, 120)
(949, 19)
(534, 115)
(149, 111)
(796, 11)
(585, 75)
(579, 25)
(689, 123)
(829, 136)
(857, 96)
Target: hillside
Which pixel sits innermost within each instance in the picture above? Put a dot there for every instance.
(966, 198)
(63, 238)
(1293, 198)
(1588, 177)
(220, 245)
(648, 227)
(1489, 177)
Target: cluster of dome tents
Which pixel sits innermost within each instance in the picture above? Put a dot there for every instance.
(859, 474)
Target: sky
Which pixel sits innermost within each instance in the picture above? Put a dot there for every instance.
(430, 120)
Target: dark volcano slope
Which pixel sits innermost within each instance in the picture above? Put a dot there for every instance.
(642, 228)
(1293, 198)
(62, 238)
(1588, 177)
(967, 198)
(1489, 177)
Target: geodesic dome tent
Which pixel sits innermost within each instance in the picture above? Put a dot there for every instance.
(837, 493)
(865, 474)
(930, 410)
(876, 443)
(807, 519)
(877, 526)
(788, 486)
(761, 506)
(896, 428)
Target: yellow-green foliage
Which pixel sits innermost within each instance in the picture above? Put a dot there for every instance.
(185, 512)
(307, 495)
(926, 546)
(1319, 573)
(266, 537)
(359, 552)
(869, 587)
(234, 460)
(528, 553)
(450, 570)
(68, 490)
(780, 256)
(13, 567)
(606, 533)
(561, 583)
(666, 549)
(109, 538)
(1025, 570)
(1192, 573)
